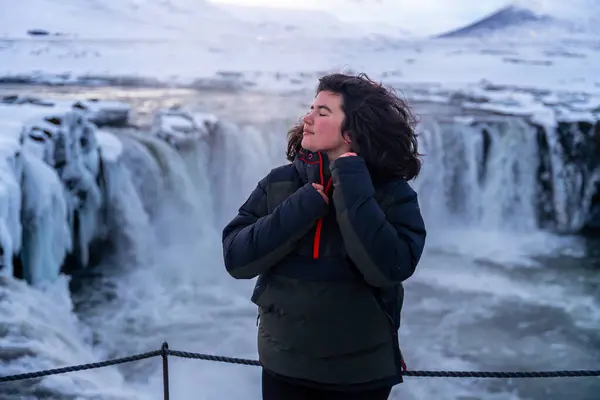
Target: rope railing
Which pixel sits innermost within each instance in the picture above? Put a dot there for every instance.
(165, 352)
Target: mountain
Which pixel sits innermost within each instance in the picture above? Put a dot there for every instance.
(115, 19)
(275, 20)
(535, 19)
(197, 20)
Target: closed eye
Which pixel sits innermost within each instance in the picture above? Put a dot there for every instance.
(323, 110)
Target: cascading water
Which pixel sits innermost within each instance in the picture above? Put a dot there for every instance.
(184, 295)
(448, 185)
(161, 274)
(130, 224)
(571, 172)
(39, 330)
(485, 173)
(509, 178)
(238, 159)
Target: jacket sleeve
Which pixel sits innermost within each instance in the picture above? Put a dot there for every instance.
(385, 247)
(254, 241)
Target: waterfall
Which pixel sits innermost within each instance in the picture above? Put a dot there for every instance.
(490, 173)
(146, 207)
(506, 173)
(218, 154)
(38, 330)
(570, 173)
(232, 150)
(148, 212)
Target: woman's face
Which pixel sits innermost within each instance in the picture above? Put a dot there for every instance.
(323, 125)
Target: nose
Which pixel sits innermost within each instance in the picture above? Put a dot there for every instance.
(308, 118)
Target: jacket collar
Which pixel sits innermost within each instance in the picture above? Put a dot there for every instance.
(312, 167)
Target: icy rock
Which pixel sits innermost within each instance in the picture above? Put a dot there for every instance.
(177, 126)
(67, 188)
(58, 183)
(111, 148)
(11, 168)
(100, 112)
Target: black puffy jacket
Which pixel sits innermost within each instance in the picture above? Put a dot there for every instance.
(329, 286)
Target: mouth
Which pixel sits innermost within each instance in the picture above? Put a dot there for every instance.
(307, 132)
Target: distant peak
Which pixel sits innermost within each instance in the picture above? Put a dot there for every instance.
(577, 16)
(574, 10)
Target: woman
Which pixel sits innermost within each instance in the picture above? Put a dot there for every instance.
(331, 237)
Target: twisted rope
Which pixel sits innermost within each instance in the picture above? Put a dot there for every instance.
(82, 367)
(208, 357)
(426, 374)
(164, 352)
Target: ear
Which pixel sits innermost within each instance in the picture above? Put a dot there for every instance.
(347, 137)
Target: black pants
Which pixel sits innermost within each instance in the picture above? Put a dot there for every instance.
(277, 389)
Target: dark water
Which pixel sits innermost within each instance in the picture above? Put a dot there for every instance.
(508, 317)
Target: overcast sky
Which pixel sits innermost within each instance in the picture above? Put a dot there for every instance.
(419, 16)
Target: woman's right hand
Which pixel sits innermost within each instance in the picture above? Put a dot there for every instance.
(321, 190)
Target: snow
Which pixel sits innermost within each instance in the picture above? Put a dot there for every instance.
(203, 45)
(180, 125)
(118, 183)
(50, 161)
(47, 237)
(57, 166)
(40, 328)
(274, 21)
(411, 66)
(110, 146)
(10, 193)
(531, 19)
(112, 19)
(186, 58)
(100, 112)
(10, 205)
(578, 11)
(151, 21)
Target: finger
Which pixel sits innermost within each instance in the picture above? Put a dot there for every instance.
(317, 186)
(324, 196)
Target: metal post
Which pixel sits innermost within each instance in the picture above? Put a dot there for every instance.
(165, 361)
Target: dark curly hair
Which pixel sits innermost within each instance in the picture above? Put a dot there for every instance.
(380, 124)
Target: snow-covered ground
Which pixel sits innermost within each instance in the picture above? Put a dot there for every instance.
(545, 80)
(550, 66)
(175, 19)
(202, 45)
(492, 291)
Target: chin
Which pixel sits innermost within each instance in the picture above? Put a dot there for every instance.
(306, 144)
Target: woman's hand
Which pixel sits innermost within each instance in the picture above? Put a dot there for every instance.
(349, 154)
(321, 190)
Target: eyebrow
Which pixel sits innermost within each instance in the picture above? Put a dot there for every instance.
(322, 107)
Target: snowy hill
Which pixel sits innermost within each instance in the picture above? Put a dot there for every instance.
(171, 19)
(115, 19)
(507, 17)
(203, 45)
(276, 20)
(535, 19)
